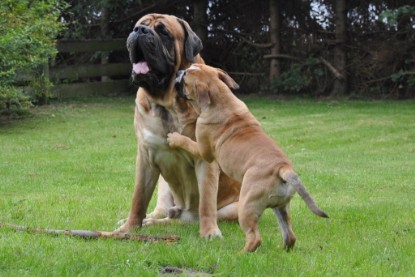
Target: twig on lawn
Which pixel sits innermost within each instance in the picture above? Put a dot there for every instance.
(87, 234)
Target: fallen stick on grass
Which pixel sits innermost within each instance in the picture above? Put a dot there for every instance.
(86, 234)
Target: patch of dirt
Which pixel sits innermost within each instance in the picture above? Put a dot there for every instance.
(172, 271)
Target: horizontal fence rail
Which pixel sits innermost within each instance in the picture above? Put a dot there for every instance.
(76, 46)
(74, 72)
(85, 79)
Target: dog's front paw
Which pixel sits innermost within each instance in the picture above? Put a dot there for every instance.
(148, 221)
(174, 139)
(156, 221)
(127, 226)
(212, 234)
(156, 214)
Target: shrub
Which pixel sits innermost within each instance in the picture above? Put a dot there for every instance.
(301, 78)
(27, 39)
(13, 100)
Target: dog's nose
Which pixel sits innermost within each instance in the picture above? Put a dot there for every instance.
(142, 29)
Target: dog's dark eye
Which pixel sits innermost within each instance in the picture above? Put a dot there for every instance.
(161, 29)
(164, 32)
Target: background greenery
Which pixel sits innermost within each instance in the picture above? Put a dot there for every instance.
(379, 41)
(377, 44)
(71, 166)
(28, 30)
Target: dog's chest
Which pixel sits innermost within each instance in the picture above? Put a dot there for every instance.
(154, 140)
(152, 127)
(161, 154)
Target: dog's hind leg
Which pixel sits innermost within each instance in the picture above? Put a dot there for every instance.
(283, 217)
(164, 200)
(248, 220)
(249, 212)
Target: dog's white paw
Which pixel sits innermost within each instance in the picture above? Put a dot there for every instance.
(127, 225)
(173, 139)
(148, 221)
(155, 221)
(125, 228)
(213, 234)
(156, 214)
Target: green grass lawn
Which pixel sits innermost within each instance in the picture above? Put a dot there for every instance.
(71, 166)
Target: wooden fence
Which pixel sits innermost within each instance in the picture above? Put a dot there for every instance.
(80, 79)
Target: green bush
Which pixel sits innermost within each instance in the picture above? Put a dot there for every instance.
(13, 100)
(299, 78)
(27, 39)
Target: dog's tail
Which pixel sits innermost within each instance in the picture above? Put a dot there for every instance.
(289, 176)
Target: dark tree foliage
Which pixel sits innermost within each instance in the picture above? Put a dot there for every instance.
(378, 46)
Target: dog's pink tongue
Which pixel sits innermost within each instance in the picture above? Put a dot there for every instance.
(141, 68)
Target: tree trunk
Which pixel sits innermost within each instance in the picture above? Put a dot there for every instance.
(340, 83)
(104, 35)
(199, 24)
(275, 35)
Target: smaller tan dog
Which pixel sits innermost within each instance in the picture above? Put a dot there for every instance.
(227, 132)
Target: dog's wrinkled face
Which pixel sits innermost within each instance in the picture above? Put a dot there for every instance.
(189, 82)
(195, 83)
(158, 46)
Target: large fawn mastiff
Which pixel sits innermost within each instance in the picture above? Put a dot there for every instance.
(160, 45)
(227, 132)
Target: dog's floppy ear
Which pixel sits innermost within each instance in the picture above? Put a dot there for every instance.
(192, 45)
(224, 77)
